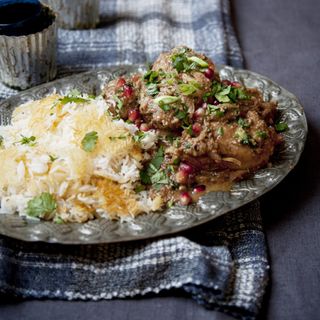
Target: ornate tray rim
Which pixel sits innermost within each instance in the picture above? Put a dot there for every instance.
(176, 219)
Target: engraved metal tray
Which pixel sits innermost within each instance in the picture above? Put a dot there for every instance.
(177, 218)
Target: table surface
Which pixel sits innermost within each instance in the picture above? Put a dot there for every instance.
(280, 39)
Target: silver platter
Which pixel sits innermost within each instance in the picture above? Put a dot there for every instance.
(178, 218)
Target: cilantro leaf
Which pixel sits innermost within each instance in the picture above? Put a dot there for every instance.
(220, 131)
(281, 126)
(216, 111)
(118, 101)
(222, 96)
(52, 158)
(69, 99)
(89, 141)
(41, 205)
(28, 140)
(152, 89)
(139, 136)
(158, 158)
(243, 123)
(189, 88)
(166, 99)
(151, 76)
(165, 107)
(262, 134)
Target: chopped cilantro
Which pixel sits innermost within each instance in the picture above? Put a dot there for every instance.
(151, 76)
(176, 161)
(121, 137)
(189, 88)
(74, 96)
(243, 123)
(262, 134)
(1, 141)
(139, 135)
(58, 220)
(152, 89)
(166, 100)
(28, 140)
(216, 111)
(153, 174)
(89, 141)
(220, 131)
(165, 107)
(199, 61)
(242, 136)
(281, 126)
(139, 188)
(52, 158)
(181, 114)
(229, 94)
(118, 101)
(222, 95)
(41, 205)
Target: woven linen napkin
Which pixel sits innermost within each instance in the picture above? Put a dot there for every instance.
(223, 264)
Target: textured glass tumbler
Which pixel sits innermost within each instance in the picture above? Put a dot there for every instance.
(76, 14)
(28, 59)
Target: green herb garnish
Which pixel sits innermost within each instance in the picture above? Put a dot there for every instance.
(242, 136)
(216, 111)
(58, 220)
(165, 107)
(262, 134)
(89, 141)
(243, 123)
(52, 158)
(189, 88)
(220, 131)
(41, 205)
(139, 135)
(199, 61)
(1, 141)
(121, 137)
(151, 76)
(153, 174)
(166, 99)
(118, 101)
(152, 89)
(281, 126)
(28, 140)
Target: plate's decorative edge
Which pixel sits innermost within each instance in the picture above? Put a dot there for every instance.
(178, 218)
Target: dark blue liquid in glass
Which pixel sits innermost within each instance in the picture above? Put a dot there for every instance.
(22, 17)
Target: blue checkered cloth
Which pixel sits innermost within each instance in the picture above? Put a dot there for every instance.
(223, 264)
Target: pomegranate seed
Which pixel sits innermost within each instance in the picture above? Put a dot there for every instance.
(196, 128)
(235, 84)
(185, 198)
(199, 104)
(127, 91)
(209, 73)
(226, 82)
(199, 189)
(186, 168)
(199, 113)
(133, 115)
(182, 177)
(121, 82)
(216, 103)
(210, 99)
(144, 127)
